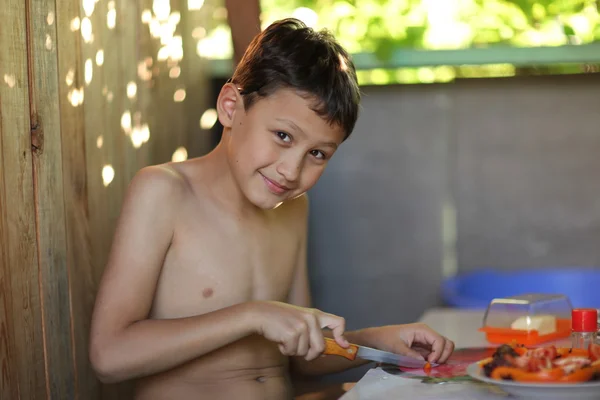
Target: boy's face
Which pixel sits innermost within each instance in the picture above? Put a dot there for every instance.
(279, 148)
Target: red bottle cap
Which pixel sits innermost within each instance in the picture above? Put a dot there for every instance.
(584, 320)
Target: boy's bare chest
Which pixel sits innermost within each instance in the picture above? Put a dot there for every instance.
(210, 268)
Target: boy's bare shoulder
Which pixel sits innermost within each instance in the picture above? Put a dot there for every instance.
(158, 183)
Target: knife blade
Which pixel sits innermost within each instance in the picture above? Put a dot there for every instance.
(368, 353)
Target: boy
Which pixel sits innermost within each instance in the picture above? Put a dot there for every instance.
(205, 295)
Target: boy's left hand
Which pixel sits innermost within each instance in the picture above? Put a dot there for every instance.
(414, 340)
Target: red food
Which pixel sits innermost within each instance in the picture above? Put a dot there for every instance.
(519, 375)
(427, 368)
(543, 352)
(544, 364)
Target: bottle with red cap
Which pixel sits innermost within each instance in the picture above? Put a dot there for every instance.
(584, 327)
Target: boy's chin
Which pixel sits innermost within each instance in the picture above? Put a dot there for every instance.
(267, 203)
(265, 200)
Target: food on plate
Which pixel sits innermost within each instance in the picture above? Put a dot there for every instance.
(427, 367)
(547, 364)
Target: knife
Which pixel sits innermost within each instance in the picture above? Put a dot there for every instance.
(368, 353)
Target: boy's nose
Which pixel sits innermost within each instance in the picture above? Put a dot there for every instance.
(290, 169)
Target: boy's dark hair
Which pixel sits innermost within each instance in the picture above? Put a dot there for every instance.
(288, 54)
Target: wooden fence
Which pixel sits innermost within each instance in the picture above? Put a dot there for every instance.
(90, 91)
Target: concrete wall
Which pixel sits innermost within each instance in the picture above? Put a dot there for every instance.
(439, 179)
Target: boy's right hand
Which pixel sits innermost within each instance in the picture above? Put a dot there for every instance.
(297, 330)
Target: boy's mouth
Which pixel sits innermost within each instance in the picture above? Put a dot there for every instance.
(274, 187)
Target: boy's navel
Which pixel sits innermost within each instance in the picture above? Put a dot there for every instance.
(206, 293)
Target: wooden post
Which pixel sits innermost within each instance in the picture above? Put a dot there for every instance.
(21, 333)
(49, 199)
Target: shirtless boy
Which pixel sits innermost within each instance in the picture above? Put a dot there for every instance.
(205, 295)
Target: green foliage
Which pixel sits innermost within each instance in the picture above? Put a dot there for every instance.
(382, 26)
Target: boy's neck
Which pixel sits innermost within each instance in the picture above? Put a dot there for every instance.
(223, 185)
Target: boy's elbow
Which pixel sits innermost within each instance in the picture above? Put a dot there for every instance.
(103, 364)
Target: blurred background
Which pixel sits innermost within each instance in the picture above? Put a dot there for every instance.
(476, 150)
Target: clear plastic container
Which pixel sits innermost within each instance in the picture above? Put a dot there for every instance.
(528, 319)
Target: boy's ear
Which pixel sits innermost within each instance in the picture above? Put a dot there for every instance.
(228, 102)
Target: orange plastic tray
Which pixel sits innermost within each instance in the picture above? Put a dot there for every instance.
(528, 338)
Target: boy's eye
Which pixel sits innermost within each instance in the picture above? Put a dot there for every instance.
(284, 136)
(318, 154)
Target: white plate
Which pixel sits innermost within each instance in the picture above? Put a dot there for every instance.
(550, 391)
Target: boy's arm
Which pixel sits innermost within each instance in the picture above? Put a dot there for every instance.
(300, 296)
(125, 344)
(395, 338)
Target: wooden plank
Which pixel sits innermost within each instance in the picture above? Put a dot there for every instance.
(146, 49)
(129, 56)
(194, 74)
(165, 114)
(109, 37)
(49, 198)
(93, 105)
(106, 38)
(21, 358)
(79, 259)
(9, 388)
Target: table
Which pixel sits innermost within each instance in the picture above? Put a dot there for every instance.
(459, 325)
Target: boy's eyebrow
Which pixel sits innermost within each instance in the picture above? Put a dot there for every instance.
(290, 123)
(297, 128)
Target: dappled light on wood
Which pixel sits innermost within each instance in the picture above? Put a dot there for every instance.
(48, 42)
(131, 90)
(9, 80)
(70, 76)
(100, 57)
(126, 122)
(75, 97)
(143, 70)
(86, 30)
(108, 174)
(140, 135)
(146, 16)
(86, 77)
(88, 7)
(195, 5)
(89, 71)
(208, 119)
(179, 155)
(111, 15)
(75, 24)
(174, 72)
(179, 95)
(198, 33)
(162, 9)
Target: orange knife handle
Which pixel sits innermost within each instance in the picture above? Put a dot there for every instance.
(334, 349)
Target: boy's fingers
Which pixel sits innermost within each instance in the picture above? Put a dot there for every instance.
(407, 351)
(430, 338)
(283, 349)
(437, 348)
(290, 346)
(448, 349)
(337, 326)
(303, 343)
(317, 343)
